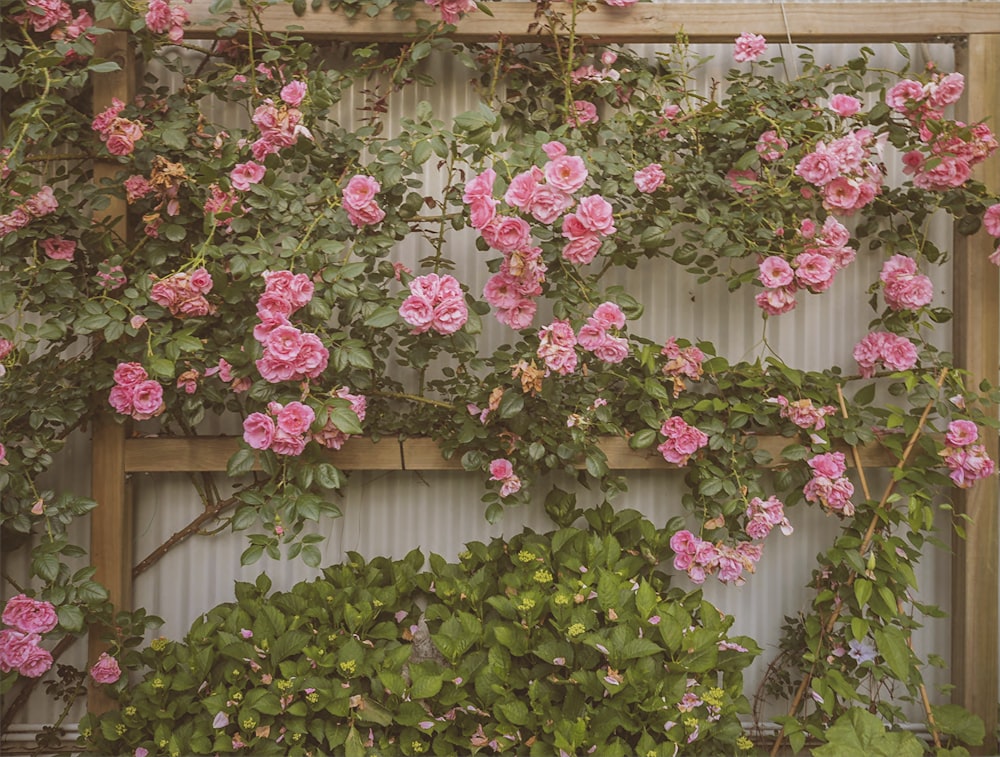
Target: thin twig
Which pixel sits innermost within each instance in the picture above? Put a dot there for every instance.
(189, 530)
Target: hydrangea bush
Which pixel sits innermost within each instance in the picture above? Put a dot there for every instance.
(259, 277)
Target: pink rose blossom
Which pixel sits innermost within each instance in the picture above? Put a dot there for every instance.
(37, 662)
(584, 112)
(245, 174)
(961, 433)
(554, 149)
(30, 615)
(295, 418)
(548, 203)
(293, 93)
(500, 469)
(58, 248)
(681, 441)
(258, 430)
(770, 146)
(650, 178)
(435, 303)
(776, 301)
(748, 47)
(904, 288)
(566, 173)
(741, 180)
(556, 347)
(583, 249)
(521, 190)
(991, 220)
(106, 669)
(775, 271)
(845, 106)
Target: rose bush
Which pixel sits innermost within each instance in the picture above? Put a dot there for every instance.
(258, 277)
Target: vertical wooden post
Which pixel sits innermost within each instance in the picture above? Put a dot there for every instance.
(977, 349)
(111, 520)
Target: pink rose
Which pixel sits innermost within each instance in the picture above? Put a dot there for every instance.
(507, 233)
(557, 343)
(946, 91)
(360, 191)
(814, 271)
(119, 144)
(245, 174)
(293, 93)
(845, 106)
(258, 430)
(650, 178)
(596, 214)
(522, 187)
(106, 669)
(566, 173)
(991, 220)
(583, 249)
(609, 316)
(776, 301)
(58, 248)
(130, 374)
(775, 272)
(500, 469)
(584, 112)
(548, 203)
(147, 400)
(961, 433)
(748, 47)
(480, 187)
(554, 149)
(15, 648)
(38, 661)
(295, 418)
(899, 95)
(30, 615)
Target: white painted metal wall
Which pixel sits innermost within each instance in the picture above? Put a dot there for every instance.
(391, 513)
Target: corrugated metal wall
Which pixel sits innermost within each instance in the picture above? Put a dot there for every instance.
(391, 513)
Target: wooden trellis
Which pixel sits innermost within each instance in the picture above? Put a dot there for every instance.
(974, 27)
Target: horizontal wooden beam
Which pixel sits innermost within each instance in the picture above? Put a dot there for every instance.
(207, 454)
(802, 22)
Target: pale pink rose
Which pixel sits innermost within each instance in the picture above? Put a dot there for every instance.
(147, 400)
(950, 172)
(258, 430)
(582, 250)
(360, 191)
(435, 302)
(480, 186)
(608, 315)
(548, 203)
(507, 233)
(200, 281)
(991, 220)
(868, 352)
(834, 233)
(899, 353)
(567, 173)
(291, 445)
(245, 174)
(685, 547)
(748, 47)
(842, 194)
(556, 347)
(518, 316)
(15, 647)
(904, 288)
(946, 91)
(596, 214)
(845, 106)
(120, 398)
(650, 178)
(770, 146)
(510, 486)
(295, 418)
(37, 662)
(30, 615)
(818, 167)
(500, 469)
(814, 271)
(962, 433)
(620, 3)
(900, 94)
(776, 301)
(775, 271)
(611, 349)
(584, 112)
(521, 190)
(829, 464)
(58, 248)
(3, 455)
(106, 669)
(45, 14)
(293, 93)
(554, 149)
(482, 211)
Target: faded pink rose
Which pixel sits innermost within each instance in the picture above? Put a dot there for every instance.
(991, 220)
(845, 106)
(650, 178)
(245, 174)
(106, 669)
(435, 303)
(584, 112)
(30, 615)
(748, 47)
(682, 440)
(58, 248)
(556, 347)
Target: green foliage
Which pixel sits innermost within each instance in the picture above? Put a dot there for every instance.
(565, 640)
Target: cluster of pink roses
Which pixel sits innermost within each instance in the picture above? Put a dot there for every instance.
(829, 486)
(360, 201)
(501, 470)
(284, 429)
(682, 362)
(135, 394)
(682, 440)
(845, 171)
(951, 148)
(162, 18)
(803, 413)
(329, 435)
(594, 334)
(118, 134)
(19, 645)
(43, 15)
(765, 514)
(183, 293)
(289, 353)
(280, 126)
(700, 558)
(895, 352)
(42, 203)
(967, 461)
(823, 254)
(435, 303)
(902, 287)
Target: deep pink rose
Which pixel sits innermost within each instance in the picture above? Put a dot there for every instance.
(58, 248)
(30, 615)
(295, 418)
(147, 400)
(38, 661)
(501, 469)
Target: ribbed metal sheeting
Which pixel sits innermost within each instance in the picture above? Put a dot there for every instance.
(392, 513)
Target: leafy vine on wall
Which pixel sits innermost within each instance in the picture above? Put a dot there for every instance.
(259, 277)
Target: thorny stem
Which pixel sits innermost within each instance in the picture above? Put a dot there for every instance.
(865, 544)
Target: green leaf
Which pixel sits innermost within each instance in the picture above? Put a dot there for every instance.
(70, 618)
(241, 462)
(891, 642)
(642, 438)
(382, 317)
(858, 733)
(955, 720)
